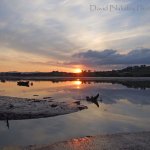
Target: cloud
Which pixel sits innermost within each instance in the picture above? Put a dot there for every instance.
(57, 29)
(112, 57)
(54, 27)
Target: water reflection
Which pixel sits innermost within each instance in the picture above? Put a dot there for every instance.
(7, 123)
(141, 83)
(121, 109)
(77, 83)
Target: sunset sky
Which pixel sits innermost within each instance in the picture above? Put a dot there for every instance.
(67, 35)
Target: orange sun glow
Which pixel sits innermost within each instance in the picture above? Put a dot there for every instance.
(78, 70)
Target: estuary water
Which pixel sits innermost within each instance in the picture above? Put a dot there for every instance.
(123, 107)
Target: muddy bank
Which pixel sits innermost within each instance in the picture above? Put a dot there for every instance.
(14, 108)
(121, 141)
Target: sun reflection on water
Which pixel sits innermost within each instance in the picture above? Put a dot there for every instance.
(77, 83)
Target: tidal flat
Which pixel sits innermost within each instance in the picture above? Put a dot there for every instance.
(121, 141)
(14, 108)
(124, 107)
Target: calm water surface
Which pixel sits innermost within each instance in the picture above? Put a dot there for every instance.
(122, 109)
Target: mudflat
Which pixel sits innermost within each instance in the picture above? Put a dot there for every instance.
(120, 141)
(14, 108)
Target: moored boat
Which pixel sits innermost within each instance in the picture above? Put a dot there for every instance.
(23, 83)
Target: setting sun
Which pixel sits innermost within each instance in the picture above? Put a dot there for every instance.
(78, 70)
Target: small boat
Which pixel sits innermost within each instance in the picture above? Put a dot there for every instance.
(93, 99)
(23, 83)
(3, 80)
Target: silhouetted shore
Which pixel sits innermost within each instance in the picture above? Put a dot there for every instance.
(134, 71)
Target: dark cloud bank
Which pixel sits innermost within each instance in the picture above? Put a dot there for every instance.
(112, 57)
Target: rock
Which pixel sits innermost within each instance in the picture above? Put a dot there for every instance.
(54, 105)
(82, 107)
(47, 97)
(77, 102)
(11, 106)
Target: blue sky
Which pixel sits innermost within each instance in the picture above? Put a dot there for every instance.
(46, 35)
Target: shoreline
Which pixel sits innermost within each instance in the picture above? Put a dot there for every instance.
(118, 141)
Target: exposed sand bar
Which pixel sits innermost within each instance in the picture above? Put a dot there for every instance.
(122, 141)
(13, 108)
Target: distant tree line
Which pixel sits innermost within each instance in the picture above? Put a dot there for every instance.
(132, 71)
